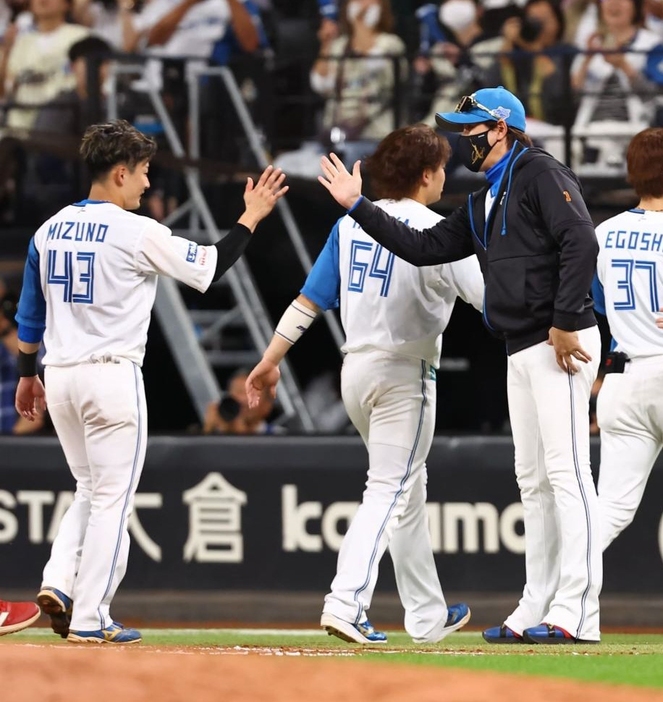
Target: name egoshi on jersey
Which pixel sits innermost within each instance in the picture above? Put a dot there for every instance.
(642, 241)
(78, 231)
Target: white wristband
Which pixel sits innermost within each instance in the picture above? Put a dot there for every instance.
(294, 322)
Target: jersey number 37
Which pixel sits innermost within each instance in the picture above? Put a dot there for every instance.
(626, 283)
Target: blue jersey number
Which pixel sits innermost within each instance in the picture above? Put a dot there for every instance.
(65, 278)
(379, 264)
(625, 283)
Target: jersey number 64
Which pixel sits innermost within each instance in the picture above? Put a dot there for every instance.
(361, 261)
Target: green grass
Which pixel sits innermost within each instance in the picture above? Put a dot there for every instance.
(633, 659)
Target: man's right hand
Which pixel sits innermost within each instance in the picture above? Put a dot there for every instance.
(344, 187)
(265, 376)
(567, 348)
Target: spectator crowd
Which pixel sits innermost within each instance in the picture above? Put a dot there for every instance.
(591, 66)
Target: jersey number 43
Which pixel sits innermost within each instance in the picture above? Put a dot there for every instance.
(61, 272)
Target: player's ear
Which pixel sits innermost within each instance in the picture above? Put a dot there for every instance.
(119, 173)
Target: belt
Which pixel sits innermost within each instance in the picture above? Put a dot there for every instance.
(104, 358)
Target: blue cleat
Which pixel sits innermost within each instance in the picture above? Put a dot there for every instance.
(502, 635)
(458, 616)
(552, 634)
(114, 634)
(362, 633)
(58, 607)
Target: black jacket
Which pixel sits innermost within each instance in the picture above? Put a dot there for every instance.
(537, 250)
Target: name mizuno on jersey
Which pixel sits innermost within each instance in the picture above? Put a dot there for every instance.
(640, 241)
(78, 231)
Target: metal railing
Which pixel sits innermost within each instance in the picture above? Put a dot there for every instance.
(170, 308)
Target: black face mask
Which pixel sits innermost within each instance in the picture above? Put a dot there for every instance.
(473, 150)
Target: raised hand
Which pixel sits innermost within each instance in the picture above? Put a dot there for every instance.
(261, 198)
(344, 187)
(30, 398)
(264, 377)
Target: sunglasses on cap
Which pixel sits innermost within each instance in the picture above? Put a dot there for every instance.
(468, 103)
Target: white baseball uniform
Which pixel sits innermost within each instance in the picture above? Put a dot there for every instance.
(550, 428)
(89, 287)
(629, 290)
(393, 315)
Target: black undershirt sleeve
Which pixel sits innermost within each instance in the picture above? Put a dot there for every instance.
(230, 248)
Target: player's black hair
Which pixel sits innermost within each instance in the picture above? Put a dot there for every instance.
(397, 166)
(644, 163)
(113, 143)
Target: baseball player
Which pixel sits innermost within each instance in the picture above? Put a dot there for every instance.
(15, 616)
(393, 315)
(537, 248)
(88, 289)
(628, 289)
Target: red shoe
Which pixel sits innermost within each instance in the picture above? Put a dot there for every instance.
(15, 616)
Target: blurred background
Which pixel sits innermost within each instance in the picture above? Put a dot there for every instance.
(234, 500)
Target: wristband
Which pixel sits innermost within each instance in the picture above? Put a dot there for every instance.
(27, 364)
(294, 322)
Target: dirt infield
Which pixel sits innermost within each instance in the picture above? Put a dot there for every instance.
(32, 673)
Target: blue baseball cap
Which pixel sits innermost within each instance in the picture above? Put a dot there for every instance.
(483, 106)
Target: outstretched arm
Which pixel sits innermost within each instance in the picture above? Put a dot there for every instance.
(260, 199)
(295, 321)
(449, 240)
(158, 252)
(320, 292)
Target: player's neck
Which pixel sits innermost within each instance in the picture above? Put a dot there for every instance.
(652, 204)
(424, 195)
(103, 193)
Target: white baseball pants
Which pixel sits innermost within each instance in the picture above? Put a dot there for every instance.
(630, 414)
(100, 416)
(391, 401)
(549, 413)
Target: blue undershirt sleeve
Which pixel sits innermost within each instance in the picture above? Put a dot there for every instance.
(598, 295)
(31, 315)
(323, 283)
